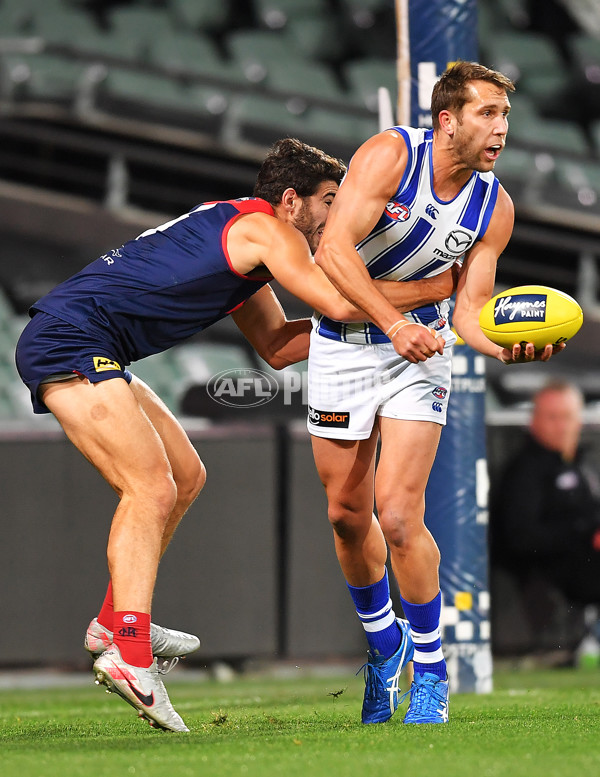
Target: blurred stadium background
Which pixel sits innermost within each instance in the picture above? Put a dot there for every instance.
(117, 116)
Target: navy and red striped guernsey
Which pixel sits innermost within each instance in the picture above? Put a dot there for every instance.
(159, 289)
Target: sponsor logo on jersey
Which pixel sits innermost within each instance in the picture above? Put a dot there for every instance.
(328, 418)
(242, 388)
(102, 364)
(432, 212)
(520, 307)
(444, 255)
(437, 407)
(439, 392)
(397, 211)
(458, 241)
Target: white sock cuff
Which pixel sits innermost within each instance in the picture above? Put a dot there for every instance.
(370, 615)
(381, 623)
(428, 658)
(425, 639)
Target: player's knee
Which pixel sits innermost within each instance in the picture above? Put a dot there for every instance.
(191, 481)
(400, 531)
(347, 521)
(164, 494)
(396, 530)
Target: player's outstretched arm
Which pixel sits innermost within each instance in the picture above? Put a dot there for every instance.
(262, 321)
(476, 287)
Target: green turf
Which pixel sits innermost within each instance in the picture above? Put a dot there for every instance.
(544, 724)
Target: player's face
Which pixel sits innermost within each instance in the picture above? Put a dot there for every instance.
(482, 126)
(312, 214)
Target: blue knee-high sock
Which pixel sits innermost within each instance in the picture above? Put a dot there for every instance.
(424, 622)
(375, 610)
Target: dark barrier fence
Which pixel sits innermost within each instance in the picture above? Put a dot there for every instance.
(251, 569)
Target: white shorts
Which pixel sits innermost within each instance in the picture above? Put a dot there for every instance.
(349, 385)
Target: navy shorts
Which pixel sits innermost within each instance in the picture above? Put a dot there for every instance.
(49, 346)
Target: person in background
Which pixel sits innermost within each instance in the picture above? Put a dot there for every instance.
(545, 513)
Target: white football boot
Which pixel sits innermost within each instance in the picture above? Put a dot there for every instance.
(142, 688)
(166, 643)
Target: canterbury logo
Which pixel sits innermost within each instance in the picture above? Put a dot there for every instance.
(102, 364)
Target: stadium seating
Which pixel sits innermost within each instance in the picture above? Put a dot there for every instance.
(63, 25)
(365, 76)
(259, 51)
(260, 120)
(533, 63)
(556, 135)
(238, 75)
(316, 37)
(42, 78)
(150, 97)
(275, 14)
(184, 53)
(205, 15)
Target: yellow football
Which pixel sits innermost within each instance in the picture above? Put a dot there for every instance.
(530, 314)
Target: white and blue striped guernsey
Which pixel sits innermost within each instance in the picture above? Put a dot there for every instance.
(419, 235)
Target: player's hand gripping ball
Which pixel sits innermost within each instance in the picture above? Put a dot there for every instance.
(530, 314)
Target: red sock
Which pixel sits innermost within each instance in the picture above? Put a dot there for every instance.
(131, 634)
(105, 616)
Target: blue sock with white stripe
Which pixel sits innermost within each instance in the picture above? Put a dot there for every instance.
(425, 630)
(375, 610)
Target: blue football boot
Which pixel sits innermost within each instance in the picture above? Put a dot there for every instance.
(381, 679)
(428, 700)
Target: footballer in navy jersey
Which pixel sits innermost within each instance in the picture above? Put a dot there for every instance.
(166, 285)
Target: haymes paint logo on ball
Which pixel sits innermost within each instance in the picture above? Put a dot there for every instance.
(520, 307)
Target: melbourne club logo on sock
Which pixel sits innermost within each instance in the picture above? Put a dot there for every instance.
(128, 631)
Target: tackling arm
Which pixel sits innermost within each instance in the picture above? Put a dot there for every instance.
(263, 323)
(260, 240)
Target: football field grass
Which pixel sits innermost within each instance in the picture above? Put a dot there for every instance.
(534, 724)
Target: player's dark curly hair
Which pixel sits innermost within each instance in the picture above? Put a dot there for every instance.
(451, 91)
(292, 163)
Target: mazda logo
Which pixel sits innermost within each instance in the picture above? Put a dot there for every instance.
(458, 241)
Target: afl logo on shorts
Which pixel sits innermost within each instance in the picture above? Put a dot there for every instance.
(328, 418)
(439, 392)
(102, 364)
(397, 211)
